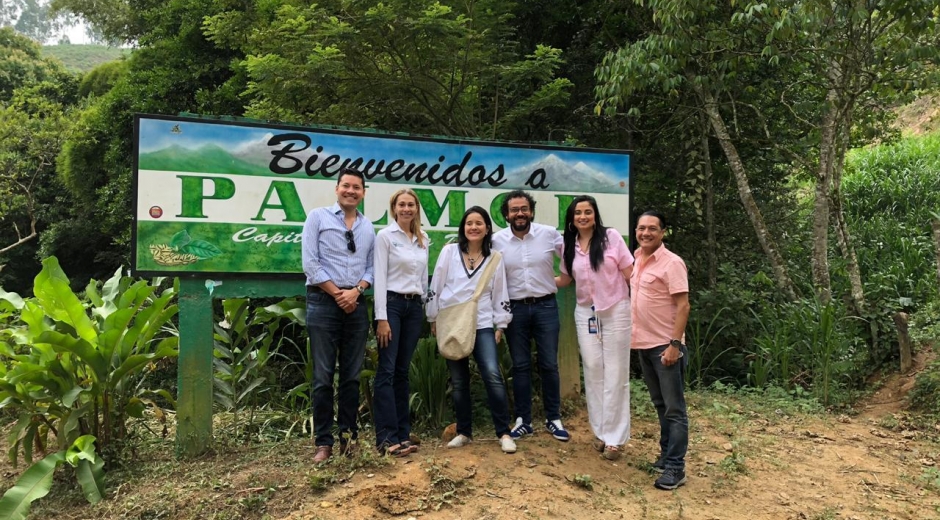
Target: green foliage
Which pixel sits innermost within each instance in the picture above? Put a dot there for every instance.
(73, 367)
(925, 396)
(890, 193)
(102, 78)
(809, 344)
(86, 58)
(429, 380)
(36, 481)
(444, 67)
(241, 353)
(21, 63)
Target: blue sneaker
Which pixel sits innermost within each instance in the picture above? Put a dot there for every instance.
(557, 430)
(520, 430)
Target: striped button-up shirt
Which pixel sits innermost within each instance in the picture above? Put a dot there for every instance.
(325, 252)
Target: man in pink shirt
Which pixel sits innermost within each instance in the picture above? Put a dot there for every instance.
(660, 310)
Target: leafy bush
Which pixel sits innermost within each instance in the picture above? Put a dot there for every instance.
(71, 367)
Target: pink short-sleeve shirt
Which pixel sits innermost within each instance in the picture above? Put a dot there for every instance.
(605, 287)
(654, 281)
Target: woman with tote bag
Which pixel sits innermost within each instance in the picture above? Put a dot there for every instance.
(469, 276)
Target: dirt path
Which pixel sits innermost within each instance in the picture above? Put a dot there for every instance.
(750, 458)
(742, 465)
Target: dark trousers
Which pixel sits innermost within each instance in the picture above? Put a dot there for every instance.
(667, 391)
(484, 352)
(391, 392)
(335, 336)
(538, 321)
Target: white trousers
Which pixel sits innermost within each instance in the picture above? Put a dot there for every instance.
(606, 360)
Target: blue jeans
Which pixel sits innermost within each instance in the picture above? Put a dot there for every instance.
(335, 335)
(390, 401)
(667, 391)
(538, 321)
(484, 352)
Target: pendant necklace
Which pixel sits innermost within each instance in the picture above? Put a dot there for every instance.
(473, 261)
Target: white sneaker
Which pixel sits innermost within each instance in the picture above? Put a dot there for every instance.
(507, 444)
(459, 441)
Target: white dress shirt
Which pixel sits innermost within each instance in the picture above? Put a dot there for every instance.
(530, 260)
(493, 305)
(401, 266)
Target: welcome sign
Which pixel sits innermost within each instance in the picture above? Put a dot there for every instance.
(217, 197)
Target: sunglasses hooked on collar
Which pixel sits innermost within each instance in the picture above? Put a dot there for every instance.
(350, 244)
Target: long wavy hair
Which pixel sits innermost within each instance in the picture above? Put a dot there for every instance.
(463, 242)
(416, 221)
(598, 239)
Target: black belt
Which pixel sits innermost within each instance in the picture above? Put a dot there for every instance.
(392, 295)
(534, 299)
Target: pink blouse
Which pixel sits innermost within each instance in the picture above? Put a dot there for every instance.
(606, 286)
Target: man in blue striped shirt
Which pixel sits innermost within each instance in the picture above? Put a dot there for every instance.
(337, 258)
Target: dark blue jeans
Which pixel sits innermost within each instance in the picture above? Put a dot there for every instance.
(537, 321)
(484, 352)
(667, 391)
(390, 401)
(335, 335)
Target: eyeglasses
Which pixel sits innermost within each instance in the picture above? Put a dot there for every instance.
(516, 210)
(350, 244)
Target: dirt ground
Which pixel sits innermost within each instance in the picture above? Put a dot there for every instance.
(749, 458)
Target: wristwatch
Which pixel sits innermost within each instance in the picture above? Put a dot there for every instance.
(675, 343)
(360, 289)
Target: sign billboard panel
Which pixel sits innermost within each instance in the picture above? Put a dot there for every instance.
(230, 198)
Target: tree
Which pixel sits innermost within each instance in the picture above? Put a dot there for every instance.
(444, 67)
(699, 47)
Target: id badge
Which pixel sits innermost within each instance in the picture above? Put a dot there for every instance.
(592, 325)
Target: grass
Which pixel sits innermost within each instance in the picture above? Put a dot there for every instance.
(83, 58)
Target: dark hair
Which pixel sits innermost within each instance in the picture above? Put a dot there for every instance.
(654, 213)
(598, 240)
(515, 194)
(351, 171)
(462, 241)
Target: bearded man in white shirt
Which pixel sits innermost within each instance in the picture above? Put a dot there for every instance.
(529, 250)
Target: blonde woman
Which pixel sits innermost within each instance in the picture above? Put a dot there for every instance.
(401, 284)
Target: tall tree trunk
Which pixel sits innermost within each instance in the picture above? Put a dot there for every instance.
(935, 225)
(827, 146)
(767, 243)
(843, 236)
(711, 242)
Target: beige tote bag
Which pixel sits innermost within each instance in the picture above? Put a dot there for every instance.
(457, 324)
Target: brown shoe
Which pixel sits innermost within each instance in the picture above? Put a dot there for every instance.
(323, 453)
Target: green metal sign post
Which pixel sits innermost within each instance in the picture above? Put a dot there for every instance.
(194, 401)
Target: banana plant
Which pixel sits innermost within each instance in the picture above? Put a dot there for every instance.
(36, 481)
(72, 367)
(242, 349)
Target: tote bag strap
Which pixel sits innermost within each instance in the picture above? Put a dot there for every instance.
(488, 271)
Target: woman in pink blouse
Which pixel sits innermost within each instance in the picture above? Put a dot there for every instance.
(596, 258)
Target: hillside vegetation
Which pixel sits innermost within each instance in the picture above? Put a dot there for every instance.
(83, 58)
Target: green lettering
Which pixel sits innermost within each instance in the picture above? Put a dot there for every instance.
(289, 202)
(456, 203)
(495, 213)
(563, 202)
(382, 221)
(193, 191)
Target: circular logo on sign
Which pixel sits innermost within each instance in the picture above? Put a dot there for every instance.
(622, 184)
(156, 212)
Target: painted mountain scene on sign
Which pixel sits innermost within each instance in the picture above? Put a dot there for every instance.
(208, 158)
(563, 176)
